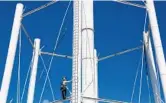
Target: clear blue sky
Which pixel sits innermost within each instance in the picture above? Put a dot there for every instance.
(117, 27)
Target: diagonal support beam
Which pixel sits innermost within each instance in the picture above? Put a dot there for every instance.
(57, 55)
(131, 4)
(119, 53)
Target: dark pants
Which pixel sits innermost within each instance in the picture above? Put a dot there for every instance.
(64, 92)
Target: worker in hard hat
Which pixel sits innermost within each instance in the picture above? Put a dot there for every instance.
(64, 87)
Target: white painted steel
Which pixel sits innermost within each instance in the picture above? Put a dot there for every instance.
(88, 62)
(36, 53)
(151, 67)
(157, 44)
(96, 75)
(11, 53)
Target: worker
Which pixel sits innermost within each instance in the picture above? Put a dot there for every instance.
(64, 87)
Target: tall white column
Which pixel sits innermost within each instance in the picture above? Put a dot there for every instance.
(88, 62)
(36, 53)
(11, 54)
(96, 75)
(151, 67)
(157, 44)
(76, 69)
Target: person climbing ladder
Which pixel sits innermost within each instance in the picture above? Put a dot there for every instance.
(64, 87)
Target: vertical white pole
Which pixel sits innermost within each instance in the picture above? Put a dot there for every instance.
(76, 72)
(96, 75)
(151, 67)
(31, 90)
(11, 54)
(88, 62)
(157, 44)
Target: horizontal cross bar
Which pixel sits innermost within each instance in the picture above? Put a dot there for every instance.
(57, 55)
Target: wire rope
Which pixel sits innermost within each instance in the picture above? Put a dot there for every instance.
(26, 80)
(50, 64)
(135, 80)
(39, 8)
(140, 88)
(53, 96)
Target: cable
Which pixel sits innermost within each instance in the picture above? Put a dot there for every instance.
(53, 96)
(27, 35)
(139, 64)
(140, 88)
(132, 96)
(68, 90)
(145, 21)
(63, 34)
(30, 66)
(39, 8)
(54, 50)
(64, 56)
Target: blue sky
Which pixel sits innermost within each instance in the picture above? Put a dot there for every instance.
(117, 27)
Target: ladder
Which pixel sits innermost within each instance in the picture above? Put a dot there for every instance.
(76, 74)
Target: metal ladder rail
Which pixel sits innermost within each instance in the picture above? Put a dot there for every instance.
(75, 53)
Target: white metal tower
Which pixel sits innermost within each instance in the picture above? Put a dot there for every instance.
(89, 62)
(157, 44)
(36, 53)
(151, 67)
(11, 54)
(84, 79)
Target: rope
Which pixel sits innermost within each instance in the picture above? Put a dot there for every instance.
(145, 21)
(19, 65)
(27, 35)
(140, 89)
(30, 65)
(132, 96)
(54, 51)
(53, 96)
(68, 90)
(39, 8)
